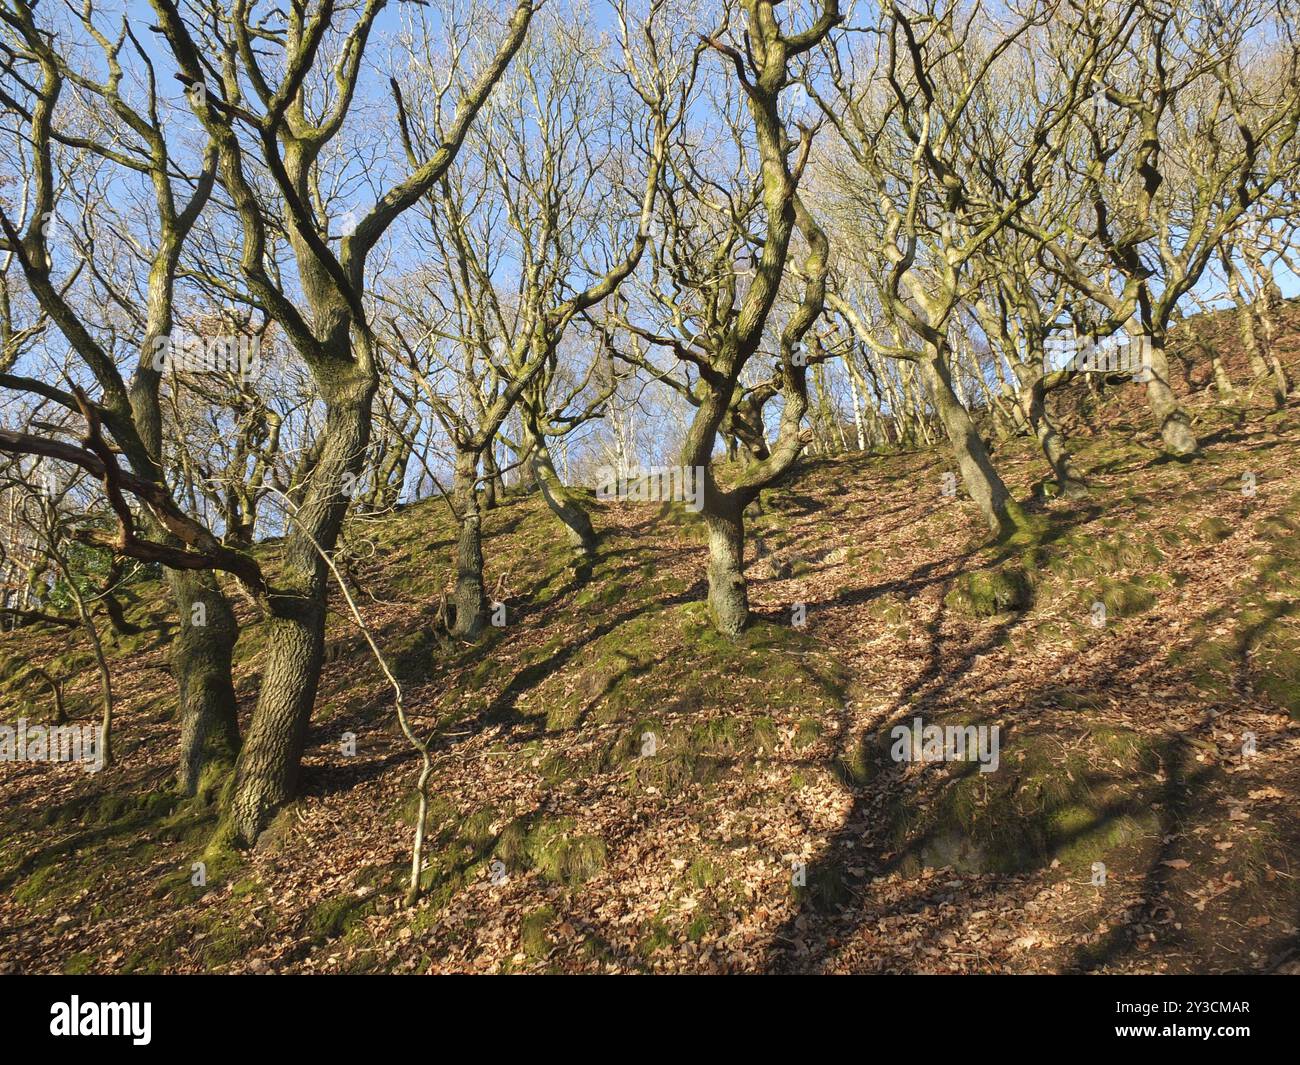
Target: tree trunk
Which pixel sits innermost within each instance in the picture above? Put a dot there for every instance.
(1222, 381)
(724, 518)
(977, 471)
(914, 403)
(492, 487)
(201, 657)
(269, 763)
(1068, 477)
(1269, 299)
(1032, 406)
(1175, 425)
(1005, 423)
(564, 504)
(728, 592)
(1246, 330)
(857, 406)
(469, 597)
(56, 690)
(1281, 385)
(1246, 316)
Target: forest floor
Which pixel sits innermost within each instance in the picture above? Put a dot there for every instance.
(617, 789)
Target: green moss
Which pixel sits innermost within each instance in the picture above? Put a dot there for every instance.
(1077, 799)
(226, 942)
(559, 855)
(333, 916)
(687, 754)
(701, 925)
(552, 848)
(719, 735)
(763, 734)
(672, 661)
(1086, 834)
(602, 596)
(213, 780)
(533, 938)
(1089, 552)
(876, 559)
(1275, 669)
(806, 733)
(246, 887)
(827, 888)
(1125, 599)
(703, 873)
(411, 655)
(984, 593)
(79, 964)
(457, 848)
(152, 958)
(476, 830)
(1026, 530)
(1214, 530)
(657, 938)
(856, 767)
(511, 845)
(888, 610)
(37, 889)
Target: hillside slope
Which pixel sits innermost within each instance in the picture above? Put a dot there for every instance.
(653, 793)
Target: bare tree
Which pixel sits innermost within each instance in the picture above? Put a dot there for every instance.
(1186, 127)
(512, 232)
(727, 232)
(935, 165)
(136, 139)
(316, 52)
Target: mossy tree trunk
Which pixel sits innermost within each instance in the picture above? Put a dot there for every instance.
(978, 473)
(1174, 422)
(724, 511)
(1245, 321)
(390, 468)
(268, 766)
(1223, 386)
(324, 320)
(1068, 476)
(201, 658)
(202, 652)
(728, 590)
(131, 413)
(562, 501)
(1034, 387)
(1264, 310)
(469, 596)
(492, 487)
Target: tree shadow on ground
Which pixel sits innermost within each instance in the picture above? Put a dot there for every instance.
(833, 911)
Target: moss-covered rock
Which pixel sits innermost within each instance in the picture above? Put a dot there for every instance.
(986, 592)
(534, 941)
(1076, 802)
(552, 848)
